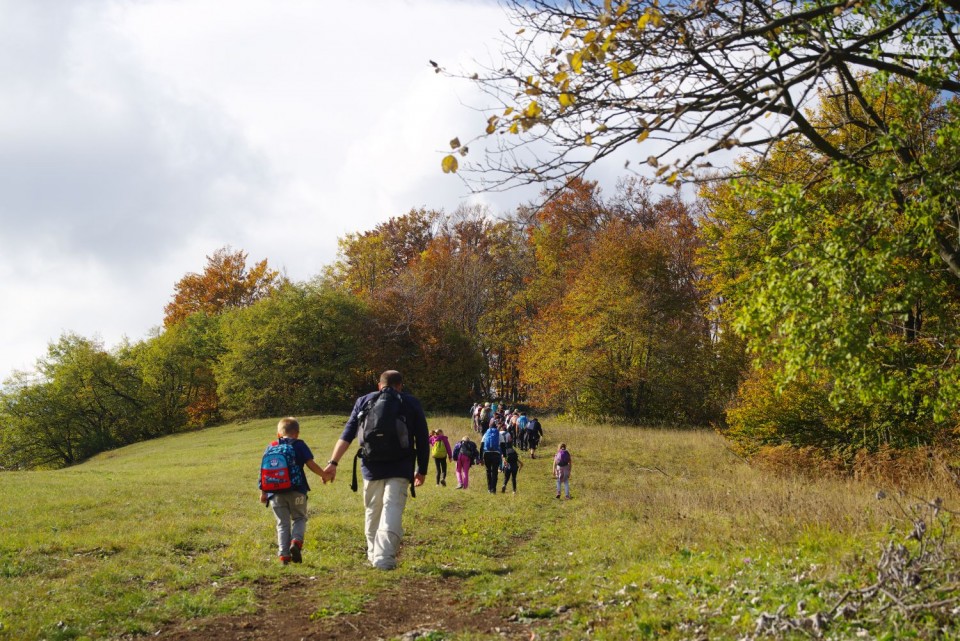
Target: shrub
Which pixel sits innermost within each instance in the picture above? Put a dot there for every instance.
(801, 415)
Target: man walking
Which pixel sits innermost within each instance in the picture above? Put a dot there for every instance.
(393, 439)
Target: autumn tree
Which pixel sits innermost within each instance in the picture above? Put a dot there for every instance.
(401, 272)
(471, 276)
(371, 261)
(225, 283)
(559, 233)
(629, 328)
(683, 81)
(688, 79)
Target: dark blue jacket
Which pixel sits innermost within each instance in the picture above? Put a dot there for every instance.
(419, 435)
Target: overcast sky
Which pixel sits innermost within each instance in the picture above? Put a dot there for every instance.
(139, 136)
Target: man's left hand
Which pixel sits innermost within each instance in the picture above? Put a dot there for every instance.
(418, 480)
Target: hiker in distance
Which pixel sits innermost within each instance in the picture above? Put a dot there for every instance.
(441, 453)
(394, 452)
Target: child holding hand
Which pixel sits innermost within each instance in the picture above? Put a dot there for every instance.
(284, 487)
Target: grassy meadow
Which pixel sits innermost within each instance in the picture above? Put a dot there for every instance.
(669, 536)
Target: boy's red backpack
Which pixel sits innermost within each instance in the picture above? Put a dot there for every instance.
(278, 469)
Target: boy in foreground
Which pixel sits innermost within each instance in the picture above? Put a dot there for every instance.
(290, 505)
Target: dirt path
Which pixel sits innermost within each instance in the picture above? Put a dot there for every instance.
(403, 611)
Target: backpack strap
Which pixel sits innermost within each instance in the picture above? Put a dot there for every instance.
(355, 486)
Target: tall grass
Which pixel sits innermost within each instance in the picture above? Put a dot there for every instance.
(668, 533)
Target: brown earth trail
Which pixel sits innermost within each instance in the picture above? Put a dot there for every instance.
(407, 610)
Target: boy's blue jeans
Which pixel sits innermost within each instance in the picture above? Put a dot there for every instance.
(290, 508)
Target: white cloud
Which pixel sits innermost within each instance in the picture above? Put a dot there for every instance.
(138, 136)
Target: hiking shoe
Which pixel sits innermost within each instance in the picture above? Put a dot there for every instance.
(443, 482)
(296, 548)
(558, 495)
(285, 560)
(503, 489)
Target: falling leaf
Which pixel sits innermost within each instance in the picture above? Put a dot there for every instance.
(643, 135)
(449, 164)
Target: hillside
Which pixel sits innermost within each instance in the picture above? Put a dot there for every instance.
(668, 535)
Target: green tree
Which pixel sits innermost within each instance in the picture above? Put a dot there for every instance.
(80, 401)
(300, 349)
(175, 366)
(833, 270)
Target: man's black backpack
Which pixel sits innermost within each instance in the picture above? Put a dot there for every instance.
(383, 428)
(384, 436)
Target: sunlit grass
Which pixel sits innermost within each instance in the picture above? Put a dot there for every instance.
(667, 532)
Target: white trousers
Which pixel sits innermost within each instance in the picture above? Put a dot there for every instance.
(384, 501)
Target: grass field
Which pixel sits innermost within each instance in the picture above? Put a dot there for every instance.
(669, 535)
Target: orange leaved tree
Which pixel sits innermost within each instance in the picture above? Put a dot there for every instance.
(225, 283)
